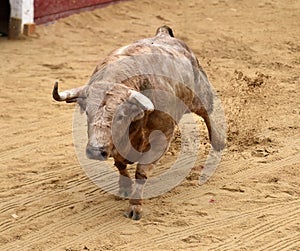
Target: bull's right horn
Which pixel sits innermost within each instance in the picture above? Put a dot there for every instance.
(144, 101)
(69, 95)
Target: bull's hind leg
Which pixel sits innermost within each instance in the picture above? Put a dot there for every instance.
(125, 182)
(135, 203)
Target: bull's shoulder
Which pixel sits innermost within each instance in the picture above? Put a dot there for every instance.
(112, 57)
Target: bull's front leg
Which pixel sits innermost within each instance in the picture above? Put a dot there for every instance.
(125, 182)
(135, 203)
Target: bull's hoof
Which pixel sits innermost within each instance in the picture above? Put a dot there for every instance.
(134, 212)
(133, 215)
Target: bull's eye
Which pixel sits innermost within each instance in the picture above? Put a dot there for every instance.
(119, 118)
(86, 112)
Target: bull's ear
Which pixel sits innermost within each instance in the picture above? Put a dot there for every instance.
(129, 111)
(141, 100)
(137, 112)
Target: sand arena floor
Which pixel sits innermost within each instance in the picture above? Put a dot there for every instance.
(251, 53)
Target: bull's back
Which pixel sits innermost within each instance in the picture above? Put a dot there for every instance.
(161, 63)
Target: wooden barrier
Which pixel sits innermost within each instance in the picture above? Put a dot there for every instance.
(20, 16)
(50, 10)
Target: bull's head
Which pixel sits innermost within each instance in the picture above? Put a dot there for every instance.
(105, 104)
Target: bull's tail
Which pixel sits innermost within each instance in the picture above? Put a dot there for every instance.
(212, 113)
(216, 130)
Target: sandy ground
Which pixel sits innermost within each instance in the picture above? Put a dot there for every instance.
(251, 53)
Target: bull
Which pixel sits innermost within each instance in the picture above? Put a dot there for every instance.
(123, 101)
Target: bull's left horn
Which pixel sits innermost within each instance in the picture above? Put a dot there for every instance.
(69, 95)
(141, 99)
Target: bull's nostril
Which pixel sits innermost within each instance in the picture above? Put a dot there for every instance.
(97, 153)
(104, 154)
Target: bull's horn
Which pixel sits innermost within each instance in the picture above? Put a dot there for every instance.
(68, 95)
(141, 99)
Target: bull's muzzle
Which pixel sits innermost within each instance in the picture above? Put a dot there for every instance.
(97, 153)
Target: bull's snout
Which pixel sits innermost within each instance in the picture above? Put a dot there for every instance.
(97, 153)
